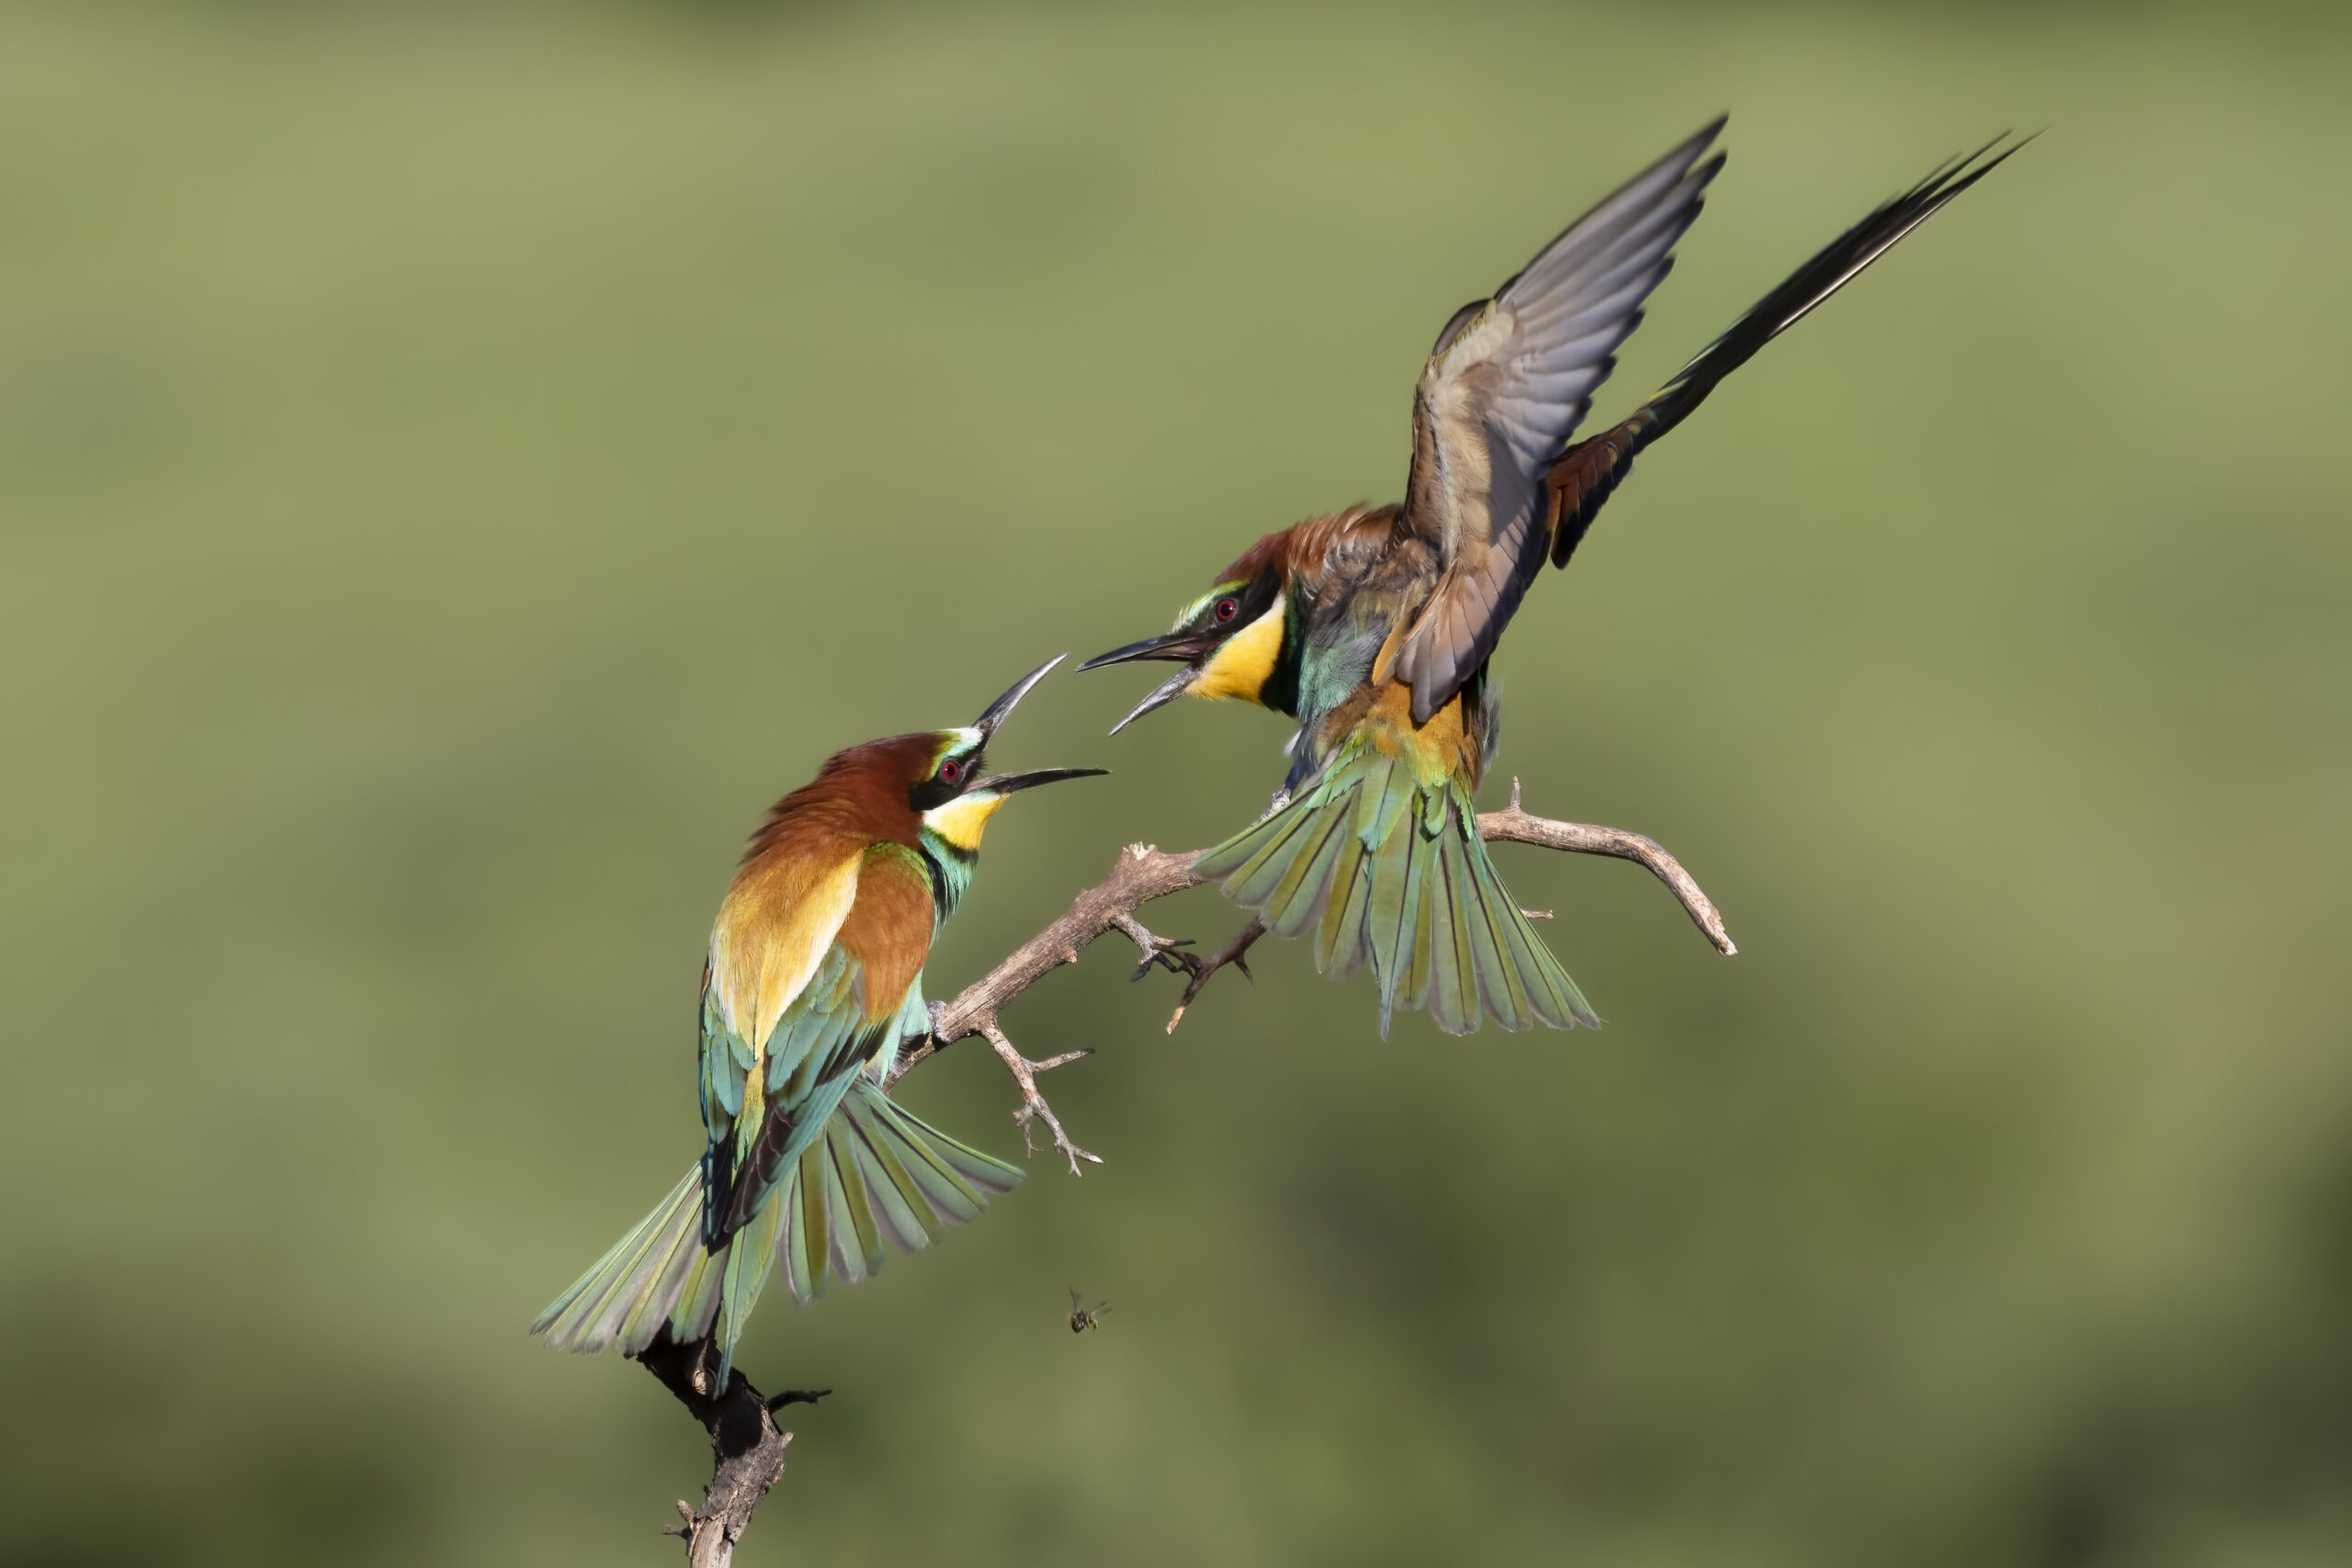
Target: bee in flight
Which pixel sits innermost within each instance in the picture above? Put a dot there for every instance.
(1083, 1317)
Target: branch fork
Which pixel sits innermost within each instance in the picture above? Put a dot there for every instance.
(1143, 873)
(1033, 1108)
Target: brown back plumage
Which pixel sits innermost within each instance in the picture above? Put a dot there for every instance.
(859, 793)
(804, 877)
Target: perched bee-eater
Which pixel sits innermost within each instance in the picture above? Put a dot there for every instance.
(814, 979)
(1372, 626)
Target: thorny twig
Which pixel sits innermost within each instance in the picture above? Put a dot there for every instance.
(1513, 826)
(1234, 953)
(1142, 874)
(1033, 1108)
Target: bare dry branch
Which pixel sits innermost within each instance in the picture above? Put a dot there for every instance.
(1033, 1108)
(1142, 874)
(1514, 826)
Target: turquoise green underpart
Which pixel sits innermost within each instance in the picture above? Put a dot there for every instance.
(1385, 866)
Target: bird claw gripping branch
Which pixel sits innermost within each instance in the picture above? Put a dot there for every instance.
(1201, 966)
(1166, 952)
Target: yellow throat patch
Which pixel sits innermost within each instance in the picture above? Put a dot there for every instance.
(962, 819)
(1241, 667)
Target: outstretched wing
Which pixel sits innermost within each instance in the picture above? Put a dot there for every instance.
(1590, 469)
(1506, 385)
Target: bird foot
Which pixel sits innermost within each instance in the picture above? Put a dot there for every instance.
(1201, 967)
(1164, 953)
(1157, 950)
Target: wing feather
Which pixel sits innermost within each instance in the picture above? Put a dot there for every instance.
(1504, 388)
(840, 1018)
(777, 924)
(1592, 469)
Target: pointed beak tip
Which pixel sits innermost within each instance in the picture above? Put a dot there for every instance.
(1167, 691)
(1012, 784)
(1183, 647)
(995, 715)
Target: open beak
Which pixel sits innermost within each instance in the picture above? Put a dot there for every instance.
(1012, 784)
(1009, 784)
(1181, 646)
(1167, 691)
(985, 724)
(1188, 648)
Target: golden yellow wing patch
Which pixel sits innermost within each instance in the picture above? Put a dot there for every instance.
(775, 927)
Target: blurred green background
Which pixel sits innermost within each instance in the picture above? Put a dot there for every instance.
(458, 464)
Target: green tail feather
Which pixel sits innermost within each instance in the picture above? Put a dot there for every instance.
(661, 1273)
(875, 1174)
(1388, 869)
(879, 1174)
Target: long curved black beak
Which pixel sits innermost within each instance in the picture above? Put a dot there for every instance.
(1009, 784)
(1159, 697)
(1183, 646)
(985, 724)
(1012, 784)
(1186, 648)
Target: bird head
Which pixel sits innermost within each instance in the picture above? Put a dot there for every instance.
(1233, 642)
(948, 785)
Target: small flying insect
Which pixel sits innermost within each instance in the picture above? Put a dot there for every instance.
(1083, 1317)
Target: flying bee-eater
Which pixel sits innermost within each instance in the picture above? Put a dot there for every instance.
(1372, 626)
(813, 980)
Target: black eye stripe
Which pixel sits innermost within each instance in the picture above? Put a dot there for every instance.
(1248, 604)
(949, 777)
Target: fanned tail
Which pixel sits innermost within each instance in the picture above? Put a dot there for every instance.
(751, 1249)
(875, 1173)
(879, 1173)
(660, 1274)
(1389, 870)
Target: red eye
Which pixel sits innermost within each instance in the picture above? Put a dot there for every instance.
(950, 772)
(1228, 608)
